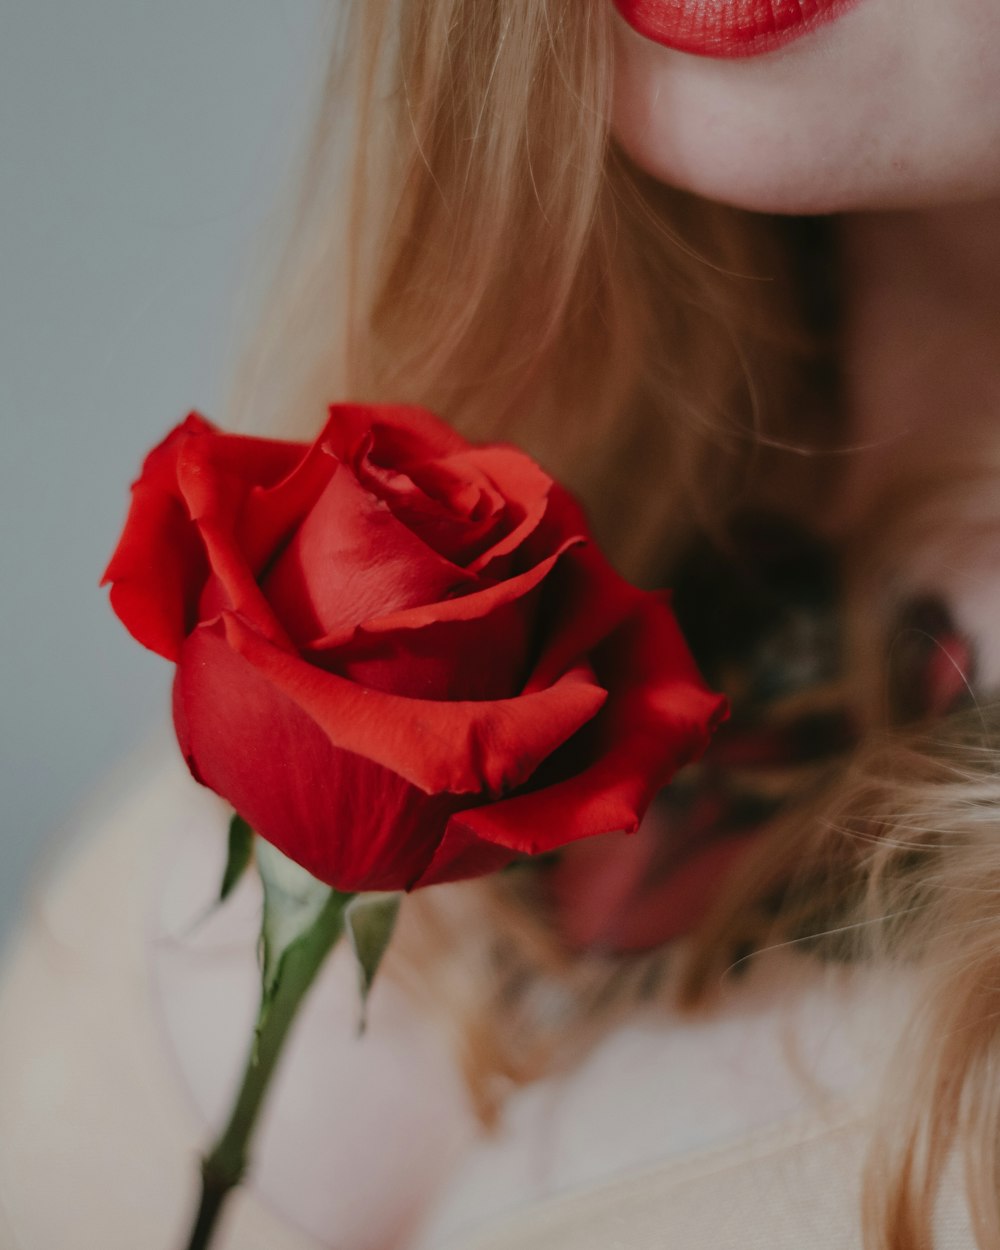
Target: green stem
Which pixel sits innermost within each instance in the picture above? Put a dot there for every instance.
(223, 1169)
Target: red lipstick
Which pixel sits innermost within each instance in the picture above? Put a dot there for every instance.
(728, 28)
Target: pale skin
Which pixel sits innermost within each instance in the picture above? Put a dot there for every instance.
(895, 105)
(889, 118)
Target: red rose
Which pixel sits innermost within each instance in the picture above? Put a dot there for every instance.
(400, 657)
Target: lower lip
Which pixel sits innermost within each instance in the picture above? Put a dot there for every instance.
(728, 28)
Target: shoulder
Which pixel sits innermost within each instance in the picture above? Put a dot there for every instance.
(791, 1185)
(745, 1125)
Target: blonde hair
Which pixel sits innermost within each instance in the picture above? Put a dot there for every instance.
(502, 261)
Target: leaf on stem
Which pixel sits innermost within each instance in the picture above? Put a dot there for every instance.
(238, 856)
(369, 921)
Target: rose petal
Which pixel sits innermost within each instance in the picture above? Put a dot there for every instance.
(475, 646)
(453, 510)
(414, 448)
(350, 822)
(463, 853)
(272, 513)
(262, 462)
(198, 475)
(602, 799)
(482, 658)
(215, 500)
(659, 716)
(469, 607)
(472, 647)
(404, 433)
(159, 567)
(462, 747)
(586, 602)
(526, 489)
(350, 560)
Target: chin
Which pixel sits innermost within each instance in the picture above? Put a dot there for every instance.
(812, 175)
(755, 186)
(846, 120)
(732, 169)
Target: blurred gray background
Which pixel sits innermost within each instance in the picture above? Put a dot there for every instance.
(144, 148)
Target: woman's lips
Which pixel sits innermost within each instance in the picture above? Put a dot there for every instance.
(728, 28)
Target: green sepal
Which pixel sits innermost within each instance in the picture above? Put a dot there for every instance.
(369, 920)
(294, 902)
(238, 856)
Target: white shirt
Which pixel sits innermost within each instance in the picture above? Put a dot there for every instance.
(123, 1025)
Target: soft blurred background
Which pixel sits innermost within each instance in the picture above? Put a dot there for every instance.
(145, 148)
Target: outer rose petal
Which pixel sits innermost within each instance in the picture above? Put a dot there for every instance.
(215, 501)
(483, 749)
(262, 462)
(159, 566)
(587, 600)
(350, 822)
(659, 716)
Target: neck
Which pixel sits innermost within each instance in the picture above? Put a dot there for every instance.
(921, 366)
(948, 258)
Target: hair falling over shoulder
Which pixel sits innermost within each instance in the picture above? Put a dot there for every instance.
(498, 259)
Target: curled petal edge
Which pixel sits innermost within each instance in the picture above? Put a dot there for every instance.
(487, 748)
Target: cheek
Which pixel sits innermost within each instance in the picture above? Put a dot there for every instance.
(867, 114)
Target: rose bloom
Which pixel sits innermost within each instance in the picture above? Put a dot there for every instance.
(400, 657)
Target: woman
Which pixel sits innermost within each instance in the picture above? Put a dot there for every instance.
(732, 277)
